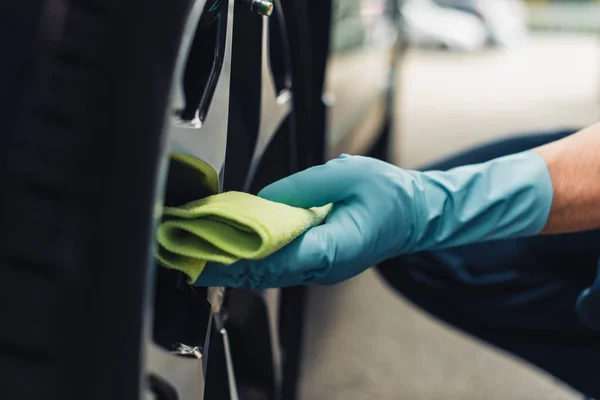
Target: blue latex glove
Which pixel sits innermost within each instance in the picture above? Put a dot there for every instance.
(381, 211)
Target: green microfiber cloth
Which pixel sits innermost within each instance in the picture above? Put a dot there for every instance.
(227, 227)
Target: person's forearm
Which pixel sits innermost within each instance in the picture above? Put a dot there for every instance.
(574, 165)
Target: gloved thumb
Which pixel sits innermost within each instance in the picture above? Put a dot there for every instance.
(314, 187)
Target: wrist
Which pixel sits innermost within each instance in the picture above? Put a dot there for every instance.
(575, 172)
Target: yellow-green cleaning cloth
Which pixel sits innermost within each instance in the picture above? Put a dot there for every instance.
(227, 227)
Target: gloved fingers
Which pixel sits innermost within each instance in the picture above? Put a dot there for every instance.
(346, 244)
(326, 254)
(307, 260)
(311, 258)
(316, 186)
(301, 262)
(215, 274)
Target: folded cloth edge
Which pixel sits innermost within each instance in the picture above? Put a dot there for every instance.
(173, 217)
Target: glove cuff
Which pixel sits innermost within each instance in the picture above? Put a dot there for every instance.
(504, 198)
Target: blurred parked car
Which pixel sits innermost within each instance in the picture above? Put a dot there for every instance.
(427, 24)
(505, 20)
(463, 25)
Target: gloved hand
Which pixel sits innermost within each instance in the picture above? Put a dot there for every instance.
(381, 211)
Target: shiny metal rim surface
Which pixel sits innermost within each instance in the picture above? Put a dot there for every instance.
(205, 138)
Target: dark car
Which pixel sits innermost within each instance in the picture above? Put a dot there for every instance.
(114, 108)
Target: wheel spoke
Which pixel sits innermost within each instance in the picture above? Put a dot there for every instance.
(274, 106)
(205, 139)
(233, 391)
(272, 298)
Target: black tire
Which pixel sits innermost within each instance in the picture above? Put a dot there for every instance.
(81, 144)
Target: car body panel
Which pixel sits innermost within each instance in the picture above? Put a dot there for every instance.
(363, 46)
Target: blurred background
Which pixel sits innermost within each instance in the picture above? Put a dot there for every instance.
(474, 70)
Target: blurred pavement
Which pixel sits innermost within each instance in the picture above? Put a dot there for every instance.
(365, 342)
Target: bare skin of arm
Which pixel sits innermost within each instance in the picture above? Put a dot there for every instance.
(574, 165)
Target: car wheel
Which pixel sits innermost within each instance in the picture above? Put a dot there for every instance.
(92, 148)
